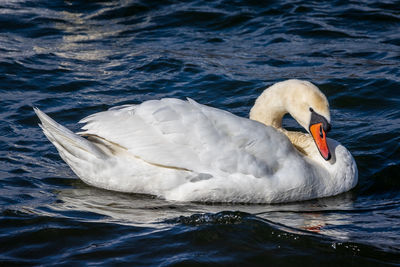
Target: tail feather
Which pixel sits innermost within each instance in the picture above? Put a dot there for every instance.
(67, 142)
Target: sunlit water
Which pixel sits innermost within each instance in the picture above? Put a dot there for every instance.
(74, 58)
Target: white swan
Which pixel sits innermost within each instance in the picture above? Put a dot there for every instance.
(185, 151)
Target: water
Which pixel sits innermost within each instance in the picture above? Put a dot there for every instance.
(74, 58)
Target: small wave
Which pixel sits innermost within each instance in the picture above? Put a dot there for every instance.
(205, 218)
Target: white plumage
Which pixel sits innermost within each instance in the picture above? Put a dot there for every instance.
(182, 150)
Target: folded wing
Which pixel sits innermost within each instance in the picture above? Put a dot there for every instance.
(184, 134)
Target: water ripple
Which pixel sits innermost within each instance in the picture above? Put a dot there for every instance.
(74, 58)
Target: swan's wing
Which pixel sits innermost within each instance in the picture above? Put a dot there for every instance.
(188, 135)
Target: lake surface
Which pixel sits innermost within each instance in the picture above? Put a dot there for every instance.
(74, 58)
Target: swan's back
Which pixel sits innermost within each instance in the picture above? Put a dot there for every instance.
(186, 135)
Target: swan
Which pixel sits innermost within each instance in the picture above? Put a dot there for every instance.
(181, 150)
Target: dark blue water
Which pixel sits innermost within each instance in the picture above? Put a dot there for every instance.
(74, 58)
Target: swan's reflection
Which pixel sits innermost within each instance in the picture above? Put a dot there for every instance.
(324, 216)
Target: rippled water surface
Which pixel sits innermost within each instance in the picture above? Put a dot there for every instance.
(74, 58)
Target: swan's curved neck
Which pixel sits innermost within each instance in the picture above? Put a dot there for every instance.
(270, 108)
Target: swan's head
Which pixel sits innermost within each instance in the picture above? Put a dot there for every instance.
(310, 108)
(304, 101)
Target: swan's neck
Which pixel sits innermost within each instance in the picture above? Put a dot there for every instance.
(269, 109)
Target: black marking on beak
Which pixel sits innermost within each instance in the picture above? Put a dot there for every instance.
(316, 118)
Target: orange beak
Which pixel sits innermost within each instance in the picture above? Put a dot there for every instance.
(319, 135)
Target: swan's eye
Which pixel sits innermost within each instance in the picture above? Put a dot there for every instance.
(311, 110)
(321, 132)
